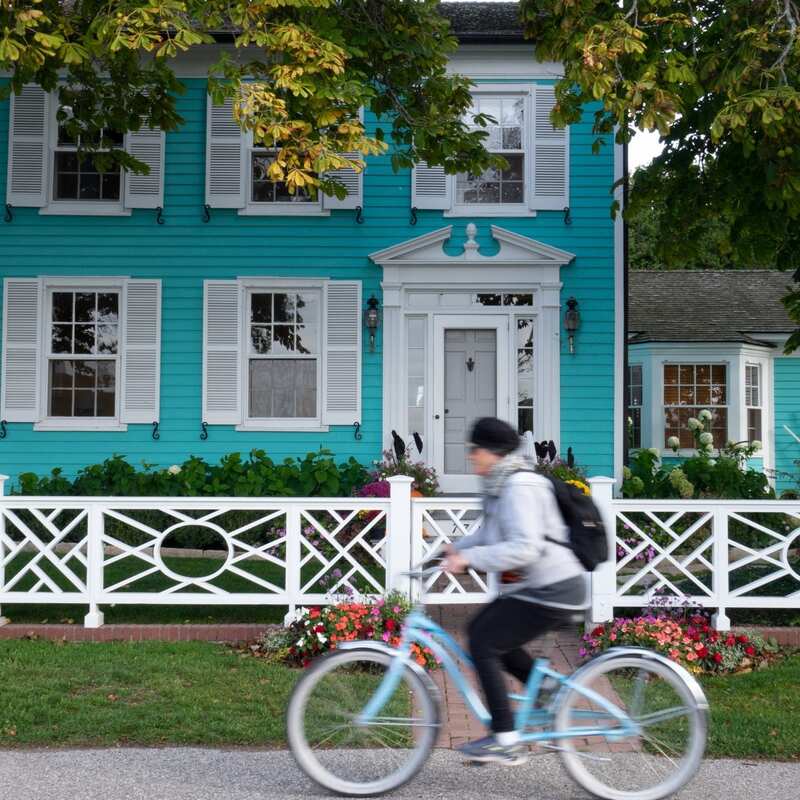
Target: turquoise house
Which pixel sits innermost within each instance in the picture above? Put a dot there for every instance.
(709, 339)
(201, 310)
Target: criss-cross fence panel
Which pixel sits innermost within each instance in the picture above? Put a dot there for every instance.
(441, 521)
(276, 551)
(716, 554)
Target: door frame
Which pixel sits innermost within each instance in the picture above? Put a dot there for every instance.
(441, 324)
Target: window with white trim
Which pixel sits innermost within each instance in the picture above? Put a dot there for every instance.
(635, 405)
(83, 354)
(284, 364)
(753, 401)
(76, 177)
(507, 137)
(690, 388)
(263, 189)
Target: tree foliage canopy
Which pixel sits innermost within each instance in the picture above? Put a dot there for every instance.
(720, 81)
(299, 71)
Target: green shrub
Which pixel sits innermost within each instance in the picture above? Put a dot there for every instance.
(315, 475)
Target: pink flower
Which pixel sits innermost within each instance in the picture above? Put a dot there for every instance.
(385, 636)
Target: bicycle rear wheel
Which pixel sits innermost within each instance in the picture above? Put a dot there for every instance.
(349, 758)
(649, 759)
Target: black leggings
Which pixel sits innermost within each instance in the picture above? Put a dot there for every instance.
(496, 636)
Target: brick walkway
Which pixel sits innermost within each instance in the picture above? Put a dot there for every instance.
(459, 725)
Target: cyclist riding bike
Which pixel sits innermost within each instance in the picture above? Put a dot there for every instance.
(541, 585)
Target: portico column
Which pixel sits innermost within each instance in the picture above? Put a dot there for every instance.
(548, 391)
(393, 360)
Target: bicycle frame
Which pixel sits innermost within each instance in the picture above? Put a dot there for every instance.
(423, 631)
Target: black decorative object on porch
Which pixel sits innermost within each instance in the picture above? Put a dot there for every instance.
(399, 446)
(417, 442)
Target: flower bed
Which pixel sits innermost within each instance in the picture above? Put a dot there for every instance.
(689, 640)
(318, 629)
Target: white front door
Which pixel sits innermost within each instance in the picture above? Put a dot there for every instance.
(470, 381)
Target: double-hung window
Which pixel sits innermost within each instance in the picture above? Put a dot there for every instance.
(284, 352)
(76, 177)
(83, 354)
(263, 189)
(753, 401)
(690, 388)
(507, 137)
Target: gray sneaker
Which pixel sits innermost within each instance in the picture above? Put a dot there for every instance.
(489, 750)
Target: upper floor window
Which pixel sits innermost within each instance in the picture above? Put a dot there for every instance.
(753, 401)
(635, 405)
(265, 190)
(76, 177)
(506, 137)
(47, 172)
(689, 388)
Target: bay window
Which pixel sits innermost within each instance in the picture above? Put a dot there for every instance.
(690, 388)
(753, 401)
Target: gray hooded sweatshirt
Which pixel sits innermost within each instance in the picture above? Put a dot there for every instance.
(519, 513)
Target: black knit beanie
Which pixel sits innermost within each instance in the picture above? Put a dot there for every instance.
(494, 435)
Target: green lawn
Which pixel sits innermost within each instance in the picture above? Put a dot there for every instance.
(198, 693)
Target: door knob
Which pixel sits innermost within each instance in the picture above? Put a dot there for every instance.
(470, 364)
(447, 411)
(436, 416)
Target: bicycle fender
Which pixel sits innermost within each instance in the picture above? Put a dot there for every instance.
(649, 655)
(419, 671)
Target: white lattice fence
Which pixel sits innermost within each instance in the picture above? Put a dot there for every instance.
(276, 551)
(437, 522)
(719, 554)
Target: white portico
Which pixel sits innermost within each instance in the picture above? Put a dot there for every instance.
(469, 335)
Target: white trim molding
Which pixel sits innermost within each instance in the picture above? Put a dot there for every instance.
(422, 281)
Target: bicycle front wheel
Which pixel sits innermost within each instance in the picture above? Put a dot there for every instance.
(350, 757)
(654, 751)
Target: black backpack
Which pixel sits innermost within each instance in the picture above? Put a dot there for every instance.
(587, 534)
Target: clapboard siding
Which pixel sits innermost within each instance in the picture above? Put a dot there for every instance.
(185, 251)
(787, 412)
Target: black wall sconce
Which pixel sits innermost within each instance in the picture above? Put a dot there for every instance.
(572, 322)
(372, 320)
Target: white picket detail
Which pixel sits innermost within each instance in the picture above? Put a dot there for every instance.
(95, 551)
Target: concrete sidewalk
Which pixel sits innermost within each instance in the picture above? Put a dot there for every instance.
(195, 774)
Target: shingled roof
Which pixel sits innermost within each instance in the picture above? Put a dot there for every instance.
(484, 22)
(707, 305)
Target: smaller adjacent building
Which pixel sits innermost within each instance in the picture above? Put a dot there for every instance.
(711, 339)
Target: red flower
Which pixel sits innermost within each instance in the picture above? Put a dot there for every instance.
(319, 629)
(390, 625)
(702, 652)
(750, 650)
(314, 613)
(717, 658)
(730, 641)
(599, 630)
(742, 639)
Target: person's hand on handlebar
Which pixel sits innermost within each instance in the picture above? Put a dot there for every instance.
(454, 562)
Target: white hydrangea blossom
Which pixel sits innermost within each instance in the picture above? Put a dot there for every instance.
(694, 424)
(673, 442)
(174, 469)
(709, 448)
(706, 438)
(705, 415)
(755, 444)
(655, 451)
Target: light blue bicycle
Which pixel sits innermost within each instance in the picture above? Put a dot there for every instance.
(628, 725)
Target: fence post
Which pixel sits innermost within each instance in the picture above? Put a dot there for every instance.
(720, 580)
(398, 534)
(603, 580)
(94, 565)
(293, 579)
(3, 479)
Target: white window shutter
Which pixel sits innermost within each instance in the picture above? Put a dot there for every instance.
(141, 352)
(353, 182)
(342, 367)
(28, 148)
(550, 155)
(430, 187)
(22, 324)
(222, 353)
(145, 191)
(225, 151)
